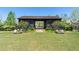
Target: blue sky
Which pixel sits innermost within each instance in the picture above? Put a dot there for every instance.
(34, 11)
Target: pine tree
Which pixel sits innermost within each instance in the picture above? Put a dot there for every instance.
(10, 21)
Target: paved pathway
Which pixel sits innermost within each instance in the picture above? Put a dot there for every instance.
(40, 30)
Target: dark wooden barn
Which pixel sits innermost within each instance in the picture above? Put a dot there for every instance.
(39, 21)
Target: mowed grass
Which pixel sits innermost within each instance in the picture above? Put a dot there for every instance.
(34, 41)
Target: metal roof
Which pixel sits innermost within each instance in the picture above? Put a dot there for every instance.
(39, 17)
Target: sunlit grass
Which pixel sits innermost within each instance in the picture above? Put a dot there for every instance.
(39, 41)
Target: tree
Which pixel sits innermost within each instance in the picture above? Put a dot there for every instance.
(75, 14)
(57, 15)
(64, 17)
(10, 21)
(1, 24)
(23, 25)
(75, 19)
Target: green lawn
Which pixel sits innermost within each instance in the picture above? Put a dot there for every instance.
(34, 41)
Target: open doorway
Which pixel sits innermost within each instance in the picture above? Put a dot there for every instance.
(39, 24)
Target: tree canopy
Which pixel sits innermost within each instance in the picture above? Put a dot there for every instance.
(75, 14)
(10, 21)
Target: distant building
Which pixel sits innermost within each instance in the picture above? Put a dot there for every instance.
(38, 22)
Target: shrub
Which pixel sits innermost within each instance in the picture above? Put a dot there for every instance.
(30, 30)
(69, 28)
(23, 25)
(61, 25)
(49, 30)
(1, 28)
(8, 28)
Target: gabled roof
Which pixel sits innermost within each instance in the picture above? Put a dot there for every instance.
(39, 17)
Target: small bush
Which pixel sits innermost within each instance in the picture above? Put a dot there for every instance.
(62, 25)
(49, 30)
(8, 28)
(30, 30)
(1, 27)
(70, 28)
